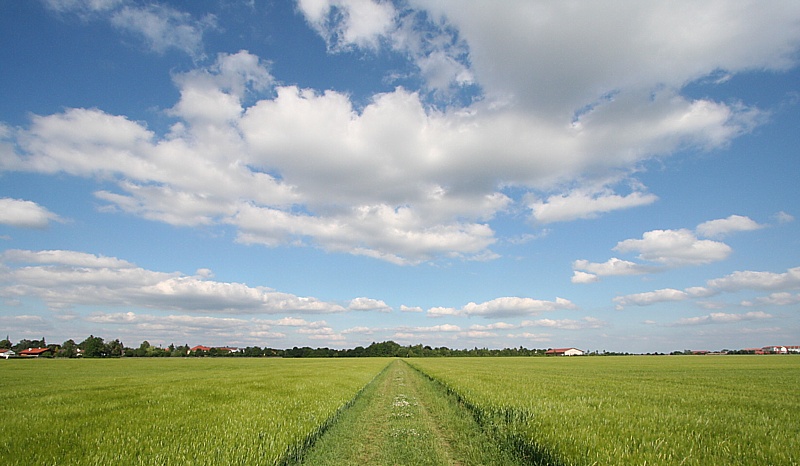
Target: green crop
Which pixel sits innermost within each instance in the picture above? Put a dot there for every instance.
(172, 411)
(693, 410)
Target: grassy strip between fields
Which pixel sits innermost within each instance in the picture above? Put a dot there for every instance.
(296, 452)
(403, 418)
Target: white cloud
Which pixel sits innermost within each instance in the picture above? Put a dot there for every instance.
(721, 227)
(64, 258)
(349, 23)
(494, 326)
(368, 304)
(668, 248)
(583, 277)
(504, 307)
(783, 217)
(358, 330)
(161, 27)
(404, 308)
(66, 278)
(397, 178)
(722, 318)
(443, 312)
(650, 297)
(675, 44)
(611, 267)
(732, 283)
(566, 324)
(477, 334)
(580, 204)
(514, 306)
(82, 7)
(437, 328)
(25, 214)
(753, 280)
(540, 337)
(164, 28)
(675, 248)
(783, 298)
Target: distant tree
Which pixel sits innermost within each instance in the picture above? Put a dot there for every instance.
(180, 351)
(25, 344)
(115, 348)
(69, 349)
(93, 347)
(5, 344)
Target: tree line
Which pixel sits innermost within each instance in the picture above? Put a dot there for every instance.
(97, 347)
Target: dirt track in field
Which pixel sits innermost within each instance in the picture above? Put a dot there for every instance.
(403, 418)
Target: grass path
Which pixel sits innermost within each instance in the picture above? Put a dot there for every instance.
(403, 418)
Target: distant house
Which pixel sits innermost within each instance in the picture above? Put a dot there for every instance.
(775, 349)
(35, 352)
(793, 349)
(223, 349)
(229, 349)
(7, 353)
(564, 352)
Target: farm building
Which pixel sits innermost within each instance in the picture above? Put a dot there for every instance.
(224, 349)
(793, 349)
(7, 353)
(35, 352)
(564, 352)
(775, 349)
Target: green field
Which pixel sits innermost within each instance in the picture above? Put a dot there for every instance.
(688, 410)
(183, 411)
(693, 410)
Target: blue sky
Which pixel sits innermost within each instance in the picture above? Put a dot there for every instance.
(617, 177)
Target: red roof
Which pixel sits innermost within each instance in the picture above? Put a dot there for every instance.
(34, 351)
(201, 348)
(559, 350)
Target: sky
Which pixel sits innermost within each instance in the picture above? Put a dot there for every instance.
(611, 176)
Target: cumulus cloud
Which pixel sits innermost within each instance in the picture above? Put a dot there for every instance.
(25, 214)
(404, 308)
(722, 318)
(504, 307)
(494, 326)
(584, 277)
(437, 328)
(230, 330)
(668, 249)
(675, 248)
(349, 23)
(400, 178)
(650, 297)
(783, 298)
(732, 283)
(368, 304)
(586, 272)
(580, 204)
(67, 278)
(756, 280)
(722, 227)
(566, 324)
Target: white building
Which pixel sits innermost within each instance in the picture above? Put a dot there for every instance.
(564, 352)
